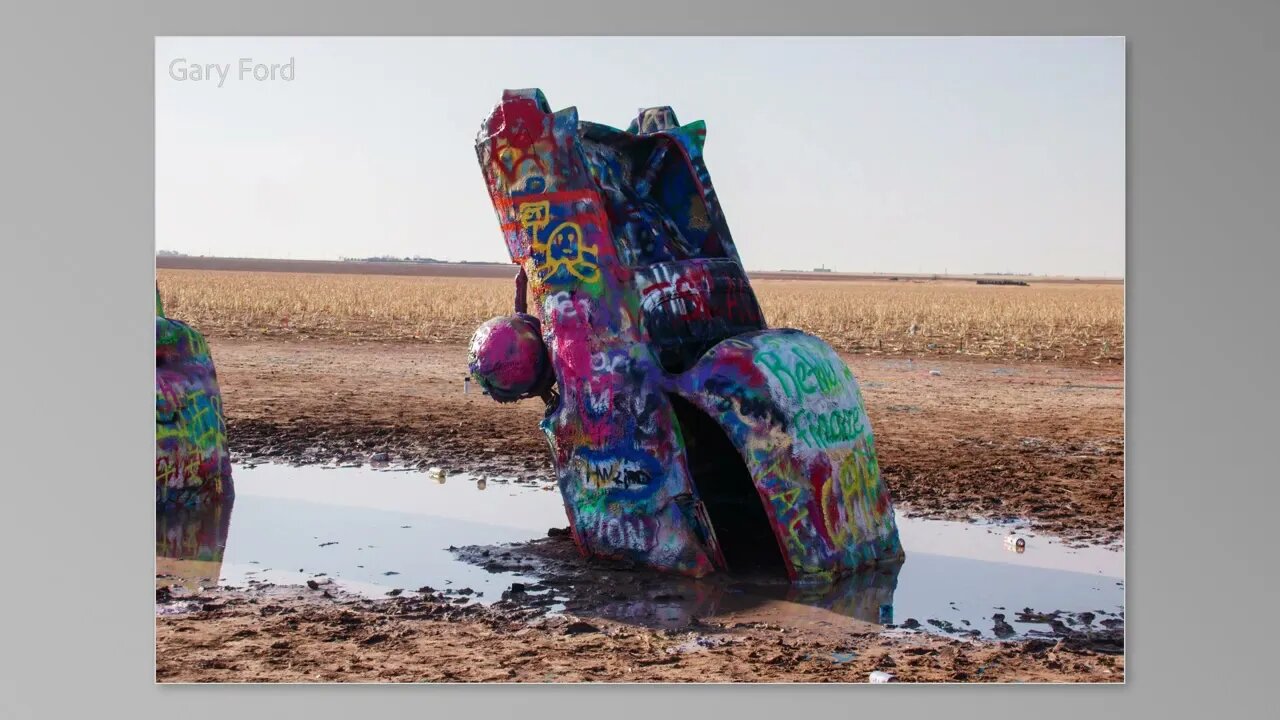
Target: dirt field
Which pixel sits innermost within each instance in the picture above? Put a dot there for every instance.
(958, 437)
(291, 635)
(979, 439)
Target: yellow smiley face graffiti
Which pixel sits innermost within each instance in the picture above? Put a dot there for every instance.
(564, 246)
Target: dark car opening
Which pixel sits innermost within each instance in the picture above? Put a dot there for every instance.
(724, 485)
(652, 196)
(686, 319)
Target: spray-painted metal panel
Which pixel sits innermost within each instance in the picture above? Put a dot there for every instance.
(192, 462)
(644, 310)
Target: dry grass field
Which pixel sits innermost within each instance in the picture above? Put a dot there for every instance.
(1068, 323)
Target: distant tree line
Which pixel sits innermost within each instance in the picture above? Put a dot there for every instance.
(416, 259)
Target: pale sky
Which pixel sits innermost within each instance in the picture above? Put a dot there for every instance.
(959, 155)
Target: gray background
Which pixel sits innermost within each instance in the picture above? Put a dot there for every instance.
(76, 226)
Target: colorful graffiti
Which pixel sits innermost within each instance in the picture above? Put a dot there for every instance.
(649, 326)
(192, 462)
(190, 542)
(795, 412)
(508, 360)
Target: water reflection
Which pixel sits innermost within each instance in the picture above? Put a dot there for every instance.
(374, 531)
(867, 596)
(190, 544)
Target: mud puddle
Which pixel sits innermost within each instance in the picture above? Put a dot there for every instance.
(363, 531)
(379, 532)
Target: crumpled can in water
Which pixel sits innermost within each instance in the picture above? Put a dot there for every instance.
(878, 677)
(1015, 543)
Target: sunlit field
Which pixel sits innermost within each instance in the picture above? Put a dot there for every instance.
(1061, 323)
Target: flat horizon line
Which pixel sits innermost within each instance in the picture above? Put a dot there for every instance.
(172, 261)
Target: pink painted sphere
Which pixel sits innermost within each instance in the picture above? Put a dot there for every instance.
(508, 358)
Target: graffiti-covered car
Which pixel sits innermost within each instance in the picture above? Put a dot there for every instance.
(192, 462)
(686, 435)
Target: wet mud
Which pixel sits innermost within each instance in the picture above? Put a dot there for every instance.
(318, 574)
(288, 634)
(613, 590)
(1041, 446)
(1034, 442)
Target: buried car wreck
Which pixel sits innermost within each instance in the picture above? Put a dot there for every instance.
(685, 434)
(192, 462)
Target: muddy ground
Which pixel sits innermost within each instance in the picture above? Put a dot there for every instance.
(957, 439)
(1000, 441)
(318, 634)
